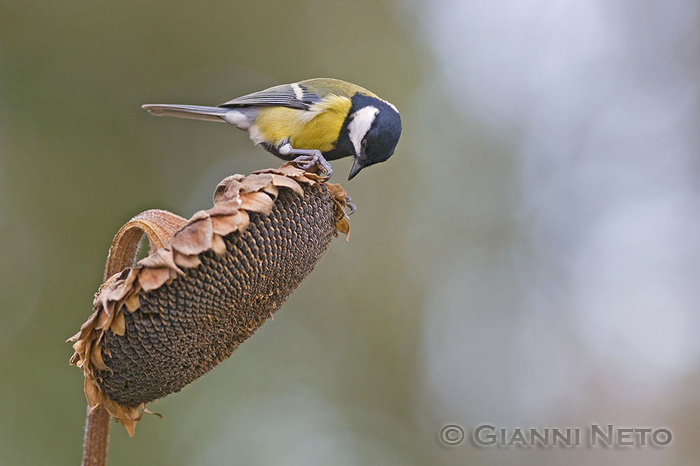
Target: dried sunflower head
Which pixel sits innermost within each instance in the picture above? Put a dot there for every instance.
(207, 285)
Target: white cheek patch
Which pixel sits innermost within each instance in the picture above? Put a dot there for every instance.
(361, 123)
(298, 92)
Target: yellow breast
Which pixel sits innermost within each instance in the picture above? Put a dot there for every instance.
(316, 128)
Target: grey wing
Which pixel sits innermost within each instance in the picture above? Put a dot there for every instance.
(287, 95)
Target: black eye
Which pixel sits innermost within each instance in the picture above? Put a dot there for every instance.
(364, 144)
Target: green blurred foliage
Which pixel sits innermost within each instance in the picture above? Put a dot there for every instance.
(79, 158)
(525, 258)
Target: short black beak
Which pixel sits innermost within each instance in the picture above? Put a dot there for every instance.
(356, 167)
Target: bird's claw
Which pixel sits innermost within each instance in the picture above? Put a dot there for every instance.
(350, 206)
(305, 162)
(306, 158)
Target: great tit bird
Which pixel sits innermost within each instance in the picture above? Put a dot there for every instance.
(309, 121)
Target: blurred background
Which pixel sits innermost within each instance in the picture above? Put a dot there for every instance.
(528, 258)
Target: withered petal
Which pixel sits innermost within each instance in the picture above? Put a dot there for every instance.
(118, 324)
(129, 425)
(343, 226)
(338, 192)
(223, 225)
(150, 279)
(283, 181)
(228, 188)
(225, 208)
(96, 358)
(195, 237)
(218, 245)
(92, 393)
(272, 190)
(160, 258)
(184, 260)
(257, 202)
(255, 182)
(131, 303)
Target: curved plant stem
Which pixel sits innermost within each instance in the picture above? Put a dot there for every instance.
(159, 226)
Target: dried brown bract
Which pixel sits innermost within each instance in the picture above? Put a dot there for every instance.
(207, 285)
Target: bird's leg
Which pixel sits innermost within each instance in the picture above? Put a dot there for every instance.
(307, 158)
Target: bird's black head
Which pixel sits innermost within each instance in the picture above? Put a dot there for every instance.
(374, 130)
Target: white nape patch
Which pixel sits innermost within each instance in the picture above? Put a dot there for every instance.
(237, 119)
(391, 105)
(298, 92)
(361, 123)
